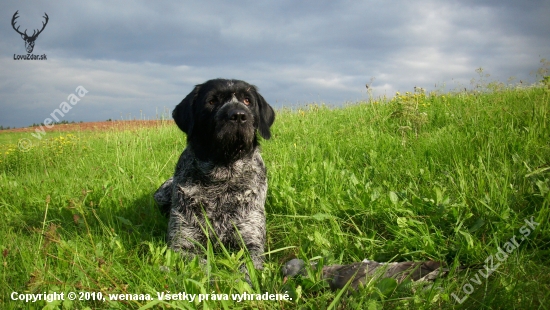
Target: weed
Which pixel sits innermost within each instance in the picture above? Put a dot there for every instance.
(444, 176)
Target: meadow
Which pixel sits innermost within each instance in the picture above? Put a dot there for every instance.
(449, 176)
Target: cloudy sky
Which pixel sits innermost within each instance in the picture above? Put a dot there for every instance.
(140, 58)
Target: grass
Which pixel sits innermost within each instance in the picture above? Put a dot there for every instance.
(443, 176)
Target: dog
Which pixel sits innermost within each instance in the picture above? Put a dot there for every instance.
(219, 185)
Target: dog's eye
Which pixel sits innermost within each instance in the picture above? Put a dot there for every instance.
(212, 101)
(246, 101)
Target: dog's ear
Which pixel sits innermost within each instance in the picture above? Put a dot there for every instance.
(183, 112)
(267, 116)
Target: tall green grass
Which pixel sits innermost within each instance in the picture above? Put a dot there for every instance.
(448, 176)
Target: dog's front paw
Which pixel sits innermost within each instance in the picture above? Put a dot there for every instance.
(163, 197)
(258, 264)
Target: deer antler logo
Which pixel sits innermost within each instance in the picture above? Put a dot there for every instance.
(29, 40)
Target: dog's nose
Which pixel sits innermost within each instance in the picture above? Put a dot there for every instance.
(237, 116)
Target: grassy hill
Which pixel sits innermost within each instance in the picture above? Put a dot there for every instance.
(443, 176)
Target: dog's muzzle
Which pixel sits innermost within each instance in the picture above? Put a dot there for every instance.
(235, 112)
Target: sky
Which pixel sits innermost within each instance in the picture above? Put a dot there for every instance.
(138, 59)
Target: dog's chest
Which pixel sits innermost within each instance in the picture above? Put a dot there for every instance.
(227, 198)
(222, 192)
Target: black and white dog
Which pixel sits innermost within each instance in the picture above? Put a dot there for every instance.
(220, 176)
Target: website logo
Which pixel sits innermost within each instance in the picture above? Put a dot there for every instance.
(29, 40)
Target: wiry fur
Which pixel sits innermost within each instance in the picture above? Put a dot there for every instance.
(220, 175)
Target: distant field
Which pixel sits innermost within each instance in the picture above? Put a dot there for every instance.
(442, 176)
(8, 136)
(91, 126)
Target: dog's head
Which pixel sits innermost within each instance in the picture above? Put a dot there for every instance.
(221, 118)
